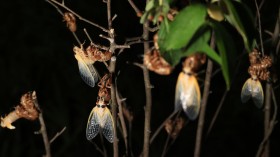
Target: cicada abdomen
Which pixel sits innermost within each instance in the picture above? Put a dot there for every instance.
(187, 94)
(87, 71)
(258, 70)
(100, 120)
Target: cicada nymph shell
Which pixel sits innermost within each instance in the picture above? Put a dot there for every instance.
(187, 94)
(258, 70)
(173, 127)
(104, 90)
(26, 109)
(98, 55)
(154, 62)
(70, 21)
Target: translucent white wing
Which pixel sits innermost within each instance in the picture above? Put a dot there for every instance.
(252, 88)
(93, 124)
(108, 128)
(187, 95)
(88, 73)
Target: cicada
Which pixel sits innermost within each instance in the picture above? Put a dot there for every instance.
(87, 70)
(252, 88)
(100, 120)
(258, 70)
(187, 94)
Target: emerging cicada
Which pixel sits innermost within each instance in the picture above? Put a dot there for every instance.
(258, 70)
(100, 120)
(87, 70)
(187, 94)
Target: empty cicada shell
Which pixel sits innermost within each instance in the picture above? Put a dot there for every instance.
(173, 127)
(154, 62)
(70, 21)
(26, 109)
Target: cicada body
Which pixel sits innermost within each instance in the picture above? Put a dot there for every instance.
(100, 120)
(87, 70)
(187, 95)
(252, 89)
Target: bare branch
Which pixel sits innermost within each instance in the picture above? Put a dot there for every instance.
(80, 17)
(57, 135)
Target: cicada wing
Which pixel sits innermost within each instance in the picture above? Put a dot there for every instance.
(108, 128)
(252, 88)
(88, 73)
(188, 95)
(246, 91)
(179, 91)
(93, 124)
(257, 94)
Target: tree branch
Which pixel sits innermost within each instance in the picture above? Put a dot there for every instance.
(204, 103)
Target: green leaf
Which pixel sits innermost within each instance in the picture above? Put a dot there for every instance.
(182, 29)
(199, 43)
(226, 48)
(238, 18)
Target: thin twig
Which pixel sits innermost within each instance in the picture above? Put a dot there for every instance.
(57, 135)
(148, 107)
(103, 146)
(120, 101)
(169, 135)
(271, 125)
(43, 131)
(217, 112)
(204, 103)
(137, 11)
(80, 17)
(97, 148)
(161, 126)
(114, 104)
(260, 27)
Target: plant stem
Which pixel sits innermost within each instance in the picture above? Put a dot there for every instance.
(267, 118)
(204, 103)
(114, 105)
(43, 131)
(148, 107)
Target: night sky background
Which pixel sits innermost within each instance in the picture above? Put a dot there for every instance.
(36, 54)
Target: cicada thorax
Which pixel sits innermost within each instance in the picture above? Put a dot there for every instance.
(187, 94)
(259, 70)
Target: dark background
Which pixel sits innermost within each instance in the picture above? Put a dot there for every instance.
(36, 54)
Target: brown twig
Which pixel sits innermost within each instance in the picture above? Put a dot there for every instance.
(161, 126)
(80, 17)
(57, 135)
(120, 101)
(114, 104)
(204, 103)
(272, 123)
(217, 112)
(43, 131)
(137, 11)
(148, 107)
(260, 27)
